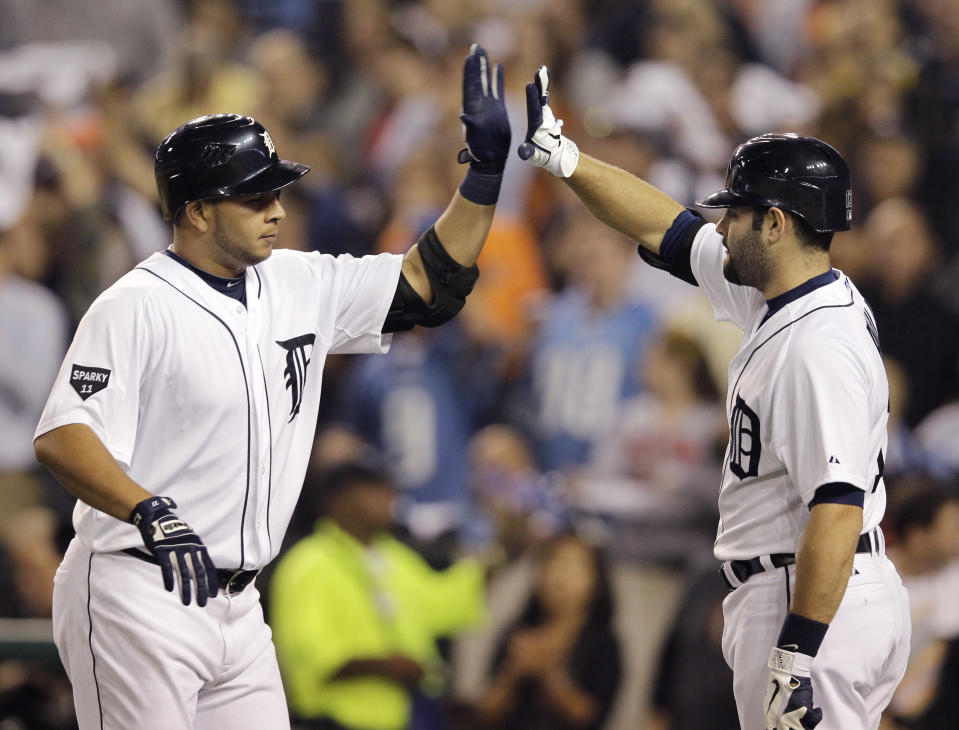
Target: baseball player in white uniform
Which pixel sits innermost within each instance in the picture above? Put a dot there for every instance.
(816, 621)
(185, 411)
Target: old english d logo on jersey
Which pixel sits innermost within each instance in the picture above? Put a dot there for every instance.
(296, 361)
(744, 445)
(88, 380)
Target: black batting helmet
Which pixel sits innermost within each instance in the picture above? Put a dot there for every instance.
(802, 175)
(217, 156)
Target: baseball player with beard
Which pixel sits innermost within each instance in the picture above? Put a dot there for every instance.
(816, 621)
(185, 411)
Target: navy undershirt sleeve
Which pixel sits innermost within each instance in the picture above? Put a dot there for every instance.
(676, 246)
(838, 493)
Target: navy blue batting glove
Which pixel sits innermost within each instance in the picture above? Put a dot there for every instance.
(485, 123)
(788, 702)
(179, 550)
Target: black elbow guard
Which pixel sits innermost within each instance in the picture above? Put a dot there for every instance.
(451, 283)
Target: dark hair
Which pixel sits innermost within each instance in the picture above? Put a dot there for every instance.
(688, 350)
(918, 504)
(804, 232)
(330, 482)
(601, 606)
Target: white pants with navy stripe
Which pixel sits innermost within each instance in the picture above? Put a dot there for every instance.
(138, 658)
(861, 660)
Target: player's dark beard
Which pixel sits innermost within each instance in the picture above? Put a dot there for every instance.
(223, 241)
(749, 266)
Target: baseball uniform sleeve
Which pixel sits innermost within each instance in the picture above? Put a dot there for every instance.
(731, 302)
(364, 290)
(99, 381)
(821, 398)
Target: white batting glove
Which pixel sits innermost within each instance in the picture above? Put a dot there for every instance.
(788, 702)
(545, 145)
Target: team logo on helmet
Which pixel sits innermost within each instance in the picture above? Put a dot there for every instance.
(268, 141)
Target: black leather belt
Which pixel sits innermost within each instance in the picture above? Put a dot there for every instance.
(231, 582)
(743, 570)
(234, 581)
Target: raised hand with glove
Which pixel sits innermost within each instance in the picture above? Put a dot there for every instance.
(545, 145)
(178, 549)
(485, 128)
(788, 703)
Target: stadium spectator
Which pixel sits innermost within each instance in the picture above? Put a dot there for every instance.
(515, 509)
(558, 666)
(925, 518)
(419, 405)
(33, 333)
(584, 358)
(915, 326)
(655, 467)
(693, 688)
(356, 613)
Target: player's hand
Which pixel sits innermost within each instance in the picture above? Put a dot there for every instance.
(545, 145)
(485, 123)
(788, 703)
(179, 550)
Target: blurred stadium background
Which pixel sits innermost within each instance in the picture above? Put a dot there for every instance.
(578, 391)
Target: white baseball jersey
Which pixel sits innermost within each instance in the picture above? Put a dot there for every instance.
(807, 404)
(211, 403)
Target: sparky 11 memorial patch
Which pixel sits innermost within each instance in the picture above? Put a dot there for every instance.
(88, 380)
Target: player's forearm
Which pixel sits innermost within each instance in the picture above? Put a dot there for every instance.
(824, 560)
(463, 227)
(462, 231)
(82, 464)
(623, 201)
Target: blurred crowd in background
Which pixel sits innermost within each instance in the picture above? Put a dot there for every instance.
(565, 433)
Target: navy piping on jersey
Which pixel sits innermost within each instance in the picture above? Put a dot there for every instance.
(735, 389)
(233, 288)
(789, 598)
(269, 424)
(259, 283)
(246, 385)
(781, 300)
(96, 682)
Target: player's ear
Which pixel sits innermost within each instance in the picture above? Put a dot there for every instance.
(777, 224)
(196, 215)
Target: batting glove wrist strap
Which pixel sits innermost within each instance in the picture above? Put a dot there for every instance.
(485, 122)
(143, 512)
(790, 662)
(182, 556)
(801, 634)
(545, 145)
(788, 703)
(479, 188)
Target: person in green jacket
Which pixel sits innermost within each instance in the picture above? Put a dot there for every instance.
(356, 613)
